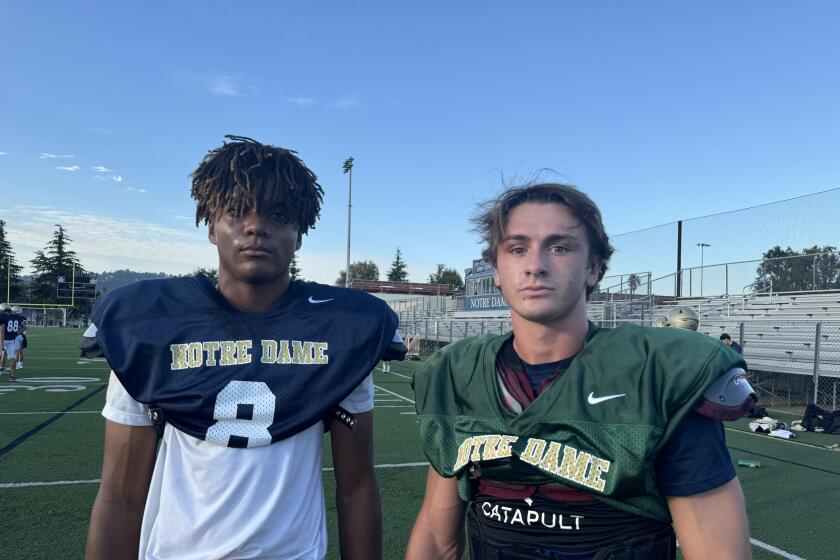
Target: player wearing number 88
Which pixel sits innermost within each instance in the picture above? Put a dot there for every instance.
(242, 375)
(13, 325)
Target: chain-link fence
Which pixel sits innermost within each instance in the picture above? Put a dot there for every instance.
(800, 223)
(798, 273)
(447, 331)
(791, 363)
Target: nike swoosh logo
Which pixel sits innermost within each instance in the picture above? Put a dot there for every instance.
(313, 300)
(592, 399)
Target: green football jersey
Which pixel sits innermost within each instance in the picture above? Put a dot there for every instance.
(596, 428)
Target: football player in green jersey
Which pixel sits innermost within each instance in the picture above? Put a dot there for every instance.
(562, 440)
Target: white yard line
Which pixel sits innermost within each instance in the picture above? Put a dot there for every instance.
(38, 357)
(394, 394)
(51, 483)
(395, 406)
(771, 438)
(57, 412)
(412, 412)
(775, 550)
(391, 466)
(399, 374)
(97, 480)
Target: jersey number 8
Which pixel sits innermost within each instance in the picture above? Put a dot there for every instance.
(244, 410)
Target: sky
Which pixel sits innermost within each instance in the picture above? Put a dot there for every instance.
(659, 110)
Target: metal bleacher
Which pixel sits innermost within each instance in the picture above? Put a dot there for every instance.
(778, 332)
(791, 342)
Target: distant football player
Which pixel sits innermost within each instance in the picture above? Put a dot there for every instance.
(242, 377)
(682, 317)
(13, 325)
(21, 342)
(563, 440)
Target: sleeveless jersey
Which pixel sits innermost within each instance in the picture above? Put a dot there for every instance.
(234, 378)
(597, 428)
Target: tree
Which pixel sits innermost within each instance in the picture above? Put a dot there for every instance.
(448, 276)
(359, 270)
(294, 269)
(54, 268)
(633, 282)
(54, 262)
(788, 270)
(9, 269)
(211, 273)
(398, 273)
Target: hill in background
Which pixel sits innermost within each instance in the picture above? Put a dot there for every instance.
(107, 281)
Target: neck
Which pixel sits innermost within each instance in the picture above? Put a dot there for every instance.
(537, 343)
(252, 297)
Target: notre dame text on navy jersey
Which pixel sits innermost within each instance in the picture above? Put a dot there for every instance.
(236, 378)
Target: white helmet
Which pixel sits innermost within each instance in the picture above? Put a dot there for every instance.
(682, 317)
(5, 308)
(17, 310)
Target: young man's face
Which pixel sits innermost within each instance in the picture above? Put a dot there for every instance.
(542, 264)
(254, 248)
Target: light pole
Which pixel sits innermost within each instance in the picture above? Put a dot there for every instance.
(348, 170)
(702, 246)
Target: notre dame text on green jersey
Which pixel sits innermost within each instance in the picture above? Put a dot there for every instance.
(597, 428)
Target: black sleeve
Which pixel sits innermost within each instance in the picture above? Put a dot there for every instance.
(695, 460)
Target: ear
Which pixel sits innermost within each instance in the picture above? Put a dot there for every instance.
(593, 274)
(496, 280)
(211, 231)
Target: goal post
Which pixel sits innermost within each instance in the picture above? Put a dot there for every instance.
(43, 315)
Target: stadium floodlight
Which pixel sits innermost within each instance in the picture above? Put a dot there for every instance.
(348, 170)
(702, 246)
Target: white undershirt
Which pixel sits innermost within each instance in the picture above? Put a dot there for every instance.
(209, 501)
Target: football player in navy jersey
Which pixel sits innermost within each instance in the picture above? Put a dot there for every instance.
(563, 440)
(13, 325)
(243, 378)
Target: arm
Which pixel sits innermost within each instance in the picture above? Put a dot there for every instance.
(117, 513)
(712, 525)
(439, 529)
(357, 491)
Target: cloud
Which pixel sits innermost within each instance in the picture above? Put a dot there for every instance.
(302, 101)
(68, 167)
(345, 103)
(45, 155)
(104, 242)
(132, 189)
(232, 85)
(111, 242)
(102, 169)
(2, 153)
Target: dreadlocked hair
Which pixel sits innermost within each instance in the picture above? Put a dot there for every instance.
(244, 174)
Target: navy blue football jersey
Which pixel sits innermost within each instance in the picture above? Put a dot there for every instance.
(235, 378)
(12, 325)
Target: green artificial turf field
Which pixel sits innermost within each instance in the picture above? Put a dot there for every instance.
(51, 444)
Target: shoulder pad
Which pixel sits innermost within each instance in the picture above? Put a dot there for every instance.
(90, 348)
(396, 350)
(728, 398)
(88, 345)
